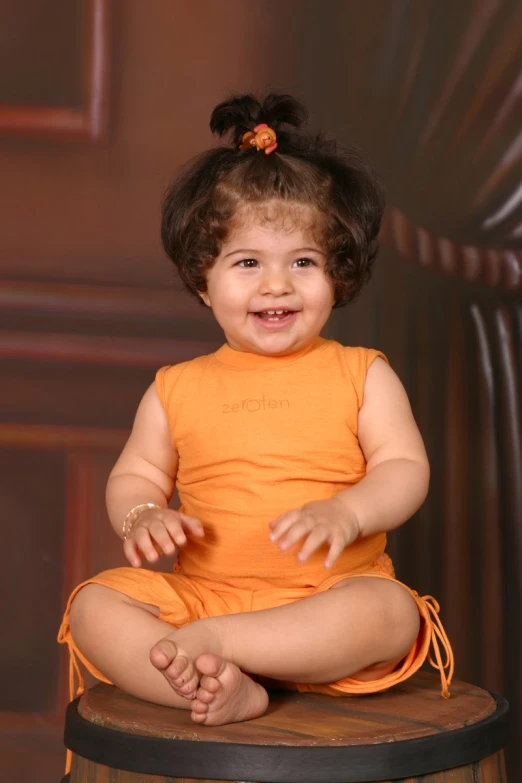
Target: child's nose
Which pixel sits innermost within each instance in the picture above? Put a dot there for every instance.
(276, 283)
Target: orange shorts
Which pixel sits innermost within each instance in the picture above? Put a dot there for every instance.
(182, 600)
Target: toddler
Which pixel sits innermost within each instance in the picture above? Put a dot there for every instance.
(292, 454)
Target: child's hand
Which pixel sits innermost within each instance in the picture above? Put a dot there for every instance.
(159, 530)
(319, 522)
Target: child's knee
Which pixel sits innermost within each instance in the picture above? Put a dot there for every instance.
(395, 618)
(85, 607)
(405, 617)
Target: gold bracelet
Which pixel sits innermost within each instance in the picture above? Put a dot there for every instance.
(133, 516)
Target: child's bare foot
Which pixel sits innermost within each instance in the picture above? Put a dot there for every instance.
(225, 693)
(176, 666)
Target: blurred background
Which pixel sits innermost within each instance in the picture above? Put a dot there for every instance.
(100, 101)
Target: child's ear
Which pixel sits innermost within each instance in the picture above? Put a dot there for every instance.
(204, 297)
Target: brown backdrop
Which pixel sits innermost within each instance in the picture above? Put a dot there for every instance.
(99, 103)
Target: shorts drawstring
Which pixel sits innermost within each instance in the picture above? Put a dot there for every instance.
(76, 679)
(438, 634)
(75, 672)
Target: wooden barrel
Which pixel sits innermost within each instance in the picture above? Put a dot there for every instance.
(409, 733)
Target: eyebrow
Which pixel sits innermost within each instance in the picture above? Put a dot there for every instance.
(297, 250)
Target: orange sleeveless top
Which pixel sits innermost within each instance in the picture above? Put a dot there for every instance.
(257, 436)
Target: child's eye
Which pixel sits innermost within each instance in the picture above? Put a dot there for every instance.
(247, 263)
(304, 262)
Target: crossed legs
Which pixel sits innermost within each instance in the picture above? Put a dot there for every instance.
(360, 623)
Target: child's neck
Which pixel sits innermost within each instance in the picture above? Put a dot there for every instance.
(234, 357)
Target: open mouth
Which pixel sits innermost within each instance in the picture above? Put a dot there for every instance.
(274, 315)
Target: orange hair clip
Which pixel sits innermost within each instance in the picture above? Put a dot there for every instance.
(262, 137)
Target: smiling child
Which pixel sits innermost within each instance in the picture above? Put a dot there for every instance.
(292, 455)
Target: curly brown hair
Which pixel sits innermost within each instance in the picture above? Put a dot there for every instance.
(306, 170)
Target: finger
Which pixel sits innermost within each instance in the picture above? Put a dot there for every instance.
(274, 522)
(143, 542)
(174, 528)
(284, 523)
(162, 536)
(131, 553)
(314, 540)
(296, 533)
(336, 547)
(194, 525)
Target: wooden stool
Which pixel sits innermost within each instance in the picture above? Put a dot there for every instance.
(409, 732)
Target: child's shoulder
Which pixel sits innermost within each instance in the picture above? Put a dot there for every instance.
(356, 358)
(354, 363)
(167, 377)
(180, 367)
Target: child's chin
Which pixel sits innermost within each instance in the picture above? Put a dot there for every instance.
(278, 347)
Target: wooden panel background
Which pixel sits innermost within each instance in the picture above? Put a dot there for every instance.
(54, 69)
(89, 307)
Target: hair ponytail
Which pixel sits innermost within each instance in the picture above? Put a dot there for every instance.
(242, 113)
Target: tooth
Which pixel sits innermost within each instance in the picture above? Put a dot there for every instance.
(279, 312)
(270, 312)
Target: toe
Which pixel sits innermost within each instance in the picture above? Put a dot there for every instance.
(210, 665)
(197, 718)
(163, 653)
(199, 707)
(210, 684)
(204, 696)
(194, 680)
(177, 671)
(190, 687)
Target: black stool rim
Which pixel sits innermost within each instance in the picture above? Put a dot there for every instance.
(283, 763)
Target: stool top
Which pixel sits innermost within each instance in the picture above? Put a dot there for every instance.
(302, 738)
(410, 710)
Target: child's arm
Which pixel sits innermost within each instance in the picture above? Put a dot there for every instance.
(145, 473)
(395, 485)
(397, 468)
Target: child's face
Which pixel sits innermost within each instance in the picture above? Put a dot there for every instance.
(267, 266)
